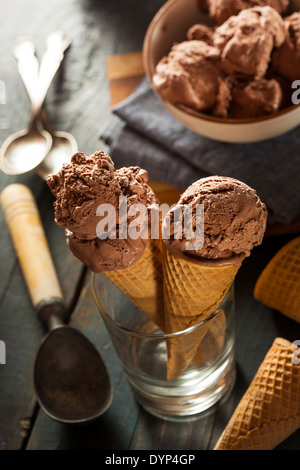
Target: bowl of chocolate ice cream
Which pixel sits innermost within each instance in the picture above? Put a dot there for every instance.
(227, 69)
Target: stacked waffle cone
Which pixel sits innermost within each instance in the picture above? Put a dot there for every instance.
(269, 412)
(279, 284)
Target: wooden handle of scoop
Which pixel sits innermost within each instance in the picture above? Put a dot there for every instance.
(25, 226)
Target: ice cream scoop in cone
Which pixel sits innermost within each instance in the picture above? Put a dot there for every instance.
(278, 286)
(101, 209)
(197, 279)
(269, 411)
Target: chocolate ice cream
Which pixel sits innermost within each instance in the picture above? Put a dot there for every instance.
(221, 10)
(246, 41)
(83, 185)
(201, 32)
(226, 71)
(190, 76)
(255, 99)
(286, 59)
(234, 221)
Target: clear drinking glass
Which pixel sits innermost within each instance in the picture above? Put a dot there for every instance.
(143, 351)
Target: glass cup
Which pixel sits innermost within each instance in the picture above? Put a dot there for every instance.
(143, 351)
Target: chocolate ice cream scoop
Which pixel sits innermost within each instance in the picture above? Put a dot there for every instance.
(234, 221)
(221, 10)
(201, 32)
(286, 59)
(256, 98)
(87, 182)
(247, 40)
(189, 75)
(79, 187)
(107, 255)
(83, 186)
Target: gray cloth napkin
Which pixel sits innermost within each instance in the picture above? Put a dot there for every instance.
(143, 133)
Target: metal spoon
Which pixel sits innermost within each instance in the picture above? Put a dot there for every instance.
(71, 382)
(63, 147)
(25, 150)
(63, 143)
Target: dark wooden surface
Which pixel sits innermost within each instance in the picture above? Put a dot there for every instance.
(79, 102)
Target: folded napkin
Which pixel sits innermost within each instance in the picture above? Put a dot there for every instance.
(143, 133)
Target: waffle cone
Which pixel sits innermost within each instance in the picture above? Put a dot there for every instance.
(192, 292)
(142, 283)
(279, 284)
(269, 411)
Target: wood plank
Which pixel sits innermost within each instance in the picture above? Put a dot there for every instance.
(121, 88)
(124, 65)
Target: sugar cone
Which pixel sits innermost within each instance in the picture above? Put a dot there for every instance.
(269, 411)
(142, 283)
(279, 284)
(192, 292)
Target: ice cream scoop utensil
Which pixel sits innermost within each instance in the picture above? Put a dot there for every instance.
(71, 382)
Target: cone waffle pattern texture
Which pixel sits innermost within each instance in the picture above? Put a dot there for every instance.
(269, 411)
(279, 284)
(142, 283)
(191, 293)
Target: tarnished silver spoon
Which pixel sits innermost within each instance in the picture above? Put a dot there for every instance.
(26, 149)
(63, 143)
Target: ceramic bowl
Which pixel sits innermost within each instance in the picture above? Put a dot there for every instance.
(170, 25)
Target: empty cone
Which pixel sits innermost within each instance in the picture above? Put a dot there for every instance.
(142, 282)
(192, 292)
(269, 411)
(279, 284)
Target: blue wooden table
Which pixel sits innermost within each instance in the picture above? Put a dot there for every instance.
(79, 102)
